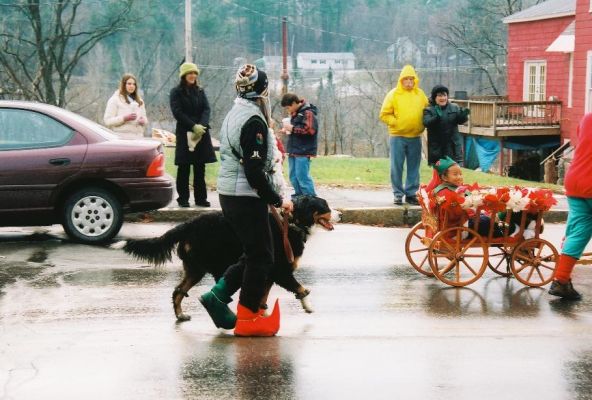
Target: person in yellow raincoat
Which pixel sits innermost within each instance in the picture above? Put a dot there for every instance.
(402, 112)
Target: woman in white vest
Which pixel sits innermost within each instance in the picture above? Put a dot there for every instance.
(126, 113)
(245, 191)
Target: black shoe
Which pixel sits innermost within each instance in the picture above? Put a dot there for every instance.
(203, 203)
(183, 204)
(398, 201)
(564, 290)
(412, 200)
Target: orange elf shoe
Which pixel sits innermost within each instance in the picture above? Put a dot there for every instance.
(249, 323)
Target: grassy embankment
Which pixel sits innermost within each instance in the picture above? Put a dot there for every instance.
(366, 172)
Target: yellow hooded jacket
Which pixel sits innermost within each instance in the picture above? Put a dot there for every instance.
(402, 110)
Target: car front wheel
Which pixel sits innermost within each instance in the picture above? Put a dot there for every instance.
(92, 215)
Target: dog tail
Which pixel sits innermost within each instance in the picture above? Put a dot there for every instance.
(156, 250)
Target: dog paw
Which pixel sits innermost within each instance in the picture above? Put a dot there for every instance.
(306, 305)
(118, 245)
(183, 317)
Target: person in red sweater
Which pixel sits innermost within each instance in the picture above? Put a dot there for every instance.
(578, 187)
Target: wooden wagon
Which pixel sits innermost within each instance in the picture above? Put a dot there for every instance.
(459, 255)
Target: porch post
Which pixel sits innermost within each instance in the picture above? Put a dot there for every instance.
(501, 157)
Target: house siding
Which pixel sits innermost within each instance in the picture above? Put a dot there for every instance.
(583, 44)
(528, 41)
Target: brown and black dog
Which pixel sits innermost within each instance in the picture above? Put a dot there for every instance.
(207, 244)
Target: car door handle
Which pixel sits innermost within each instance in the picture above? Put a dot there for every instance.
(59, 161)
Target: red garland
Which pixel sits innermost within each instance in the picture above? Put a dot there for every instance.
(450, 202)
(540, 200)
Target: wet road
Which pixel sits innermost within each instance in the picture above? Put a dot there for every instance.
(80, 322)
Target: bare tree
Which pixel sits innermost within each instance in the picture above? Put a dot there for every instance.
(476, 30)
(41, 44)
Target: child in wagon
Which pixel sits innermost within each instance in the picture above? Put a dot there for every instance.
(446, 188)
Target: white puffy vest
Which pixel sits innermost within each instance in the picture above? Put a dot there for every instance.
(232, 180)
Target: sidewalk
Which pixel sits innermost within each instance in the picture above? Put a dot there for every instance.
(366, 206)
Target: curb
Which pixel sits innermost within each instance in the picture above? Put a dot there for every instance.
(404, 216)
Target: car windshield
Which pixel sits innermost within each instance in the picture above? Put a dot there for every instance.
(100, 129)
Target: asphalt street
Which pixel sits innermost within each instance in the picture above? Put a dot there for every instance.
(83, 322)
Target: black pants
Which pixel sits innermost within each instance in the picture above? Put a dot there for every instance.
(248, 217)
(199, 182)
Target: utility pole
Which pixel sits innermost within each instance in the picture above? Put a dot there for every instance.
(188, 57)
(285, 76)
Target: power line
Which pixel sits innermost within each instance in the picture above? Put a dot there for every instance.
(355, 37)
(58, 2)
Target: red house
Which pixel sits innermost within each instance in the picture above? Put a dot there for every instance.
(550, 57)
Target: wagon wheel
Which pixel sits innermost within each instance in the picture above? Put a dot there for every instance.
(416, 249)
(455, 261)
(534, 261)
(499, 260)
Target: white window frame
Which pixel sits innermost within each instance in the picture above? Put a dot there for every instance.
(570, 84)
(525, 81)
(588, 97)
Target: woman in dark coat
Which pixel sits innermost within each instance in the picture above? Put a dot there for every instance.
(441, 118)
(190, 108)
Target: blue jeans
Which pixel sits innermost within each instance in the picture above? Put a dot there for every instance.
(300, 176)
(403, 148)
(579, 226)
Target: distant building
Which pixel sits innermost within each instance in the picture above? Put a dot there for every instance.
(324, 61)
(275, 63)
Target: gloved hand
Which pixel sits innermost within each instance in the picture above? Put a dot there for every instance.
(199, 129)
(465, 112)
(130, 117)
(192, 140)
(195, 135)
(439, 112)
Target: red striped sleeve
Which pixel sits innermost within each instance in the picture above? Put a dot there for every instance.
(308, 128)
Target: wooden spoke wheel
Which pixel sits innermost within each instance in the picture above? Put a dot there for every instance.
(534, 261)
(499, 260)
(457, 261)
(416, 249)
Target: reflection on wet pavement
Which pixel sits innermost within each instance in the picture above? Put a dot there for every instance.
(102, 323)
(250, 369)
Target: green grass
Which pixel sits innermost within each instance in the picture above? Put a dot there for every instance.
(365, 172)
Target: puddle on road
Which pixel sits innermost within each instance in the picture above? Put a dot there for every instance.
(109, 277)
(38, 256)
(16, 271)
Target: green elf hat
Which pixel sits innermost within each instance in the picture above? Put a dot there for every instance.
(443, 164)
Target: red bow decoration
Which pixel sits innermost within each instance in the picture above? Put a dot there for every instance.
(492, 203)
(450, 202)
(540, 200)
(503, 194)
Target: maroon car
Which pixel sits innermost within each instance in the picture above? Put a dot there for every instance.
(58, 167)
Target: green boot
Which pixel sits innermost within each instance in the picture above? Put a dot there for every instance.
(216, 304)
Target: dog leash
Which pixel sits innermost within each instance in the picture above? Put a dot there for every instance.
(283, 224)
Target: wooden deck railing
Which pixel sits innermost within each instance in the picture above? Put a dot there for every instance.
(512, 114)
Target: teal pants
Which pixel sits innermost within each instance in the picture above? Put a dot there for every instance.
(579, 226)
